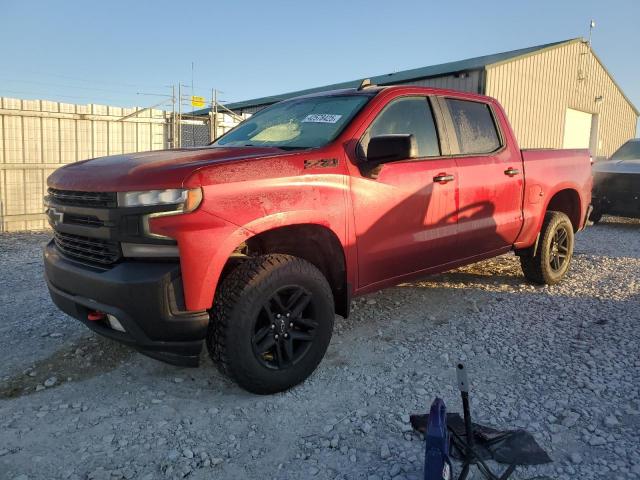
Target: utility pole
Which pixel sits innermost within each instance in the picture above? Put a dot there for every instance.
(179, 115)
(173, 116)
(214, 112)
(193, 126)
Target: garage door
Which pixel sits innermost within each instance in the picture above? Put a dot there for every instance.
(577, 129)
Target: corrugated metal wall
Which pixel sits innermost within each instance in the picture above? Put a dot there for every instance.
(537, 90)
(38, 136)
(465, 82)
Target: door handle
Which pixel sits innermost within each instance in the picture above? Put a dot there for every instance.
(443, 178)
(511, 172)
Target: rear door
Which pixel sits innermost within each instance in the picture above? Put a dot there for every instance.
(405, 218)
(490, 178)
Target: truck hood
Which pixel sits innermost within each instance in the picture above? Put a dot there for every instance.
(148, 170)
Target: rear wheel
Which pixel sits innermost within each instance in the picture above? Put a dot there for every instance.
(271, 322)
(554, 253)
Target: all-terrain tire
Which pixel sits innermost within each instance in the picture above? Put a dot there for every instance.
(546, 266)
(245, 298)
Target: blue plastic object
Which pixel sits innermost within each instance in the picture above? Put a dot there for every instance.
(437, 465)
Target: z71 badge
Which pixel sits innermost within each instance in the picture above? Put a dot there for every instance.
(322, 163)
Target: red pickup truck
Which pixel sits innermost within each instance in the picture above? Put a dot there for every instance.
(256, 241)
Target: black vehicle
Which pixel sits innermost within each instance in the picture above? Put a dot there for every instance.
(616, 183)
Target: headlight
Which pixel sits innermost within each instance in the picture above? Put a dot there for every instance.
(185, 200)
(182, 201)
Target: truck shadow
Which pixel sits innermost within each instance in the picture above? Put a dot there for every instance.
(418, 234)
(83, 359)
(476, 277)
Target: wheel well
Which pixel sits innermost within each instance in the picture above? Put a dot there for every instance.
(568, 202)
(316, 244)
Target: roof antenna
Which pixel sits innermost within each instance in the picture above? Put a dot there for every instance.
(365, 83)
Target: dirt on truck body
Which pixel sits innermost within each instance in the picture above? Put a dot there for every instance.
(254, 243)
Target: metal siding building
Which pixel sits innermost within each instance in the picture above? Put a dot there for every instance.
(537, 90)
(556, 95)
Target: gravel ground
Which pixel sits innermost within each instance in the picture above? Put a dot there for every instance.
(561, 361)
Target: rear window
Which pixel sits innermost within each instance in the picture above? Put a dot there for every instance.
(475, 129)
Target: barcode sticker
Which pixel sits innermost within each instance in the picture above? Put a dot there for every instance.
(321, 118)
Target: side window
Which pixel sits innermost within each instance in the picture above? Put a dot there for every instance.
(406, 115)
(474, 125)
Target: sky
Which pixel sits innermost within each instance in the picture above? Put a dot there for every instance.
(128, 53)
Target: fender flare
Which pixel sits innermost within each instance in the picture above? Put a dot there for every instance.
(556, 190)
(256, 227)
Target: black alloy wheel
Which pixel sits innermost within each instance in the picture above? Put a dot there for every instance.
(559, 248)
(285, 328)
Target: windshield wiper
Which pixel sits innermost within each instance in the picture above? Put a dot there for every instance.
(281, 147)
(285, 147)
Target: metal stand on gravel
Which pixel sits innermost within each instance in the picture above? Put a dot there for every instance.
(449, 434)
(466, 444)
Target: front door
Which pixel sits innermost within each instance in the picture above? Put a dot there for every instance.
(405, 211)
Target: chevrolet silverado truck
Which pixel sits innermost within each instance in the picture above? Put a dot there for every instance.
(252, 244)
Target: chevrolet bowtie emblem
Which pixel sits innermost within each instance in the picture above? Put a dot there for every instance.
(55, 217)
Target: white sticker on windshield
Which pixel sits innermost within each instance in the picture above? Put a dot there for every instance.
(321, 118)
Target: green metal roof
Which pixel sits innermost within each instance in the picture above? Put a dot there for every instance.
(476, 63)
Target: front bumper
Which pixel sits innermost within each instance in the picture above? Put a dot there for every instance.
(146, 297)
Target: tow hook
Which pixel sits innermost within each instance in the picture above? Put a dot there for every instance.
(96, 316)
(114, 323)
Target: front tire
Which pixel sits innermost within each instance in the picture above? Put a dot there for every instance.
(271, 322)
(553, 257)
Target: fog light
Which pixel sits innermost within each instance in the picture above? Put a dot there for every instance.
(115, 323)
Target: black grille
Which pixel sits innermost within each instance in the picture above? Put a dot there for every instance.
(86, 220)
(84, 199)
(91, 250)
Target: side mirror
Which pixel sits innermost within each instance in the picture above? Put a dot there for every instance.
(390, 148)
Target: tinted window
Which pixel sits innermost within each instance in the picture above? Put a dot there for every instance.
(407, 115)
(474, 126)
(628, 151)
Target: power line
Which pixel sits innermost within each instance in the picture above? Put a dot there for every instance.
(60, 85)
(50, 95)
(84, 80)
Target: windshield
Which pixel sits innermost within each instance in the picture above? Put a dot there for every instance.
(296, 124)
(628, 151)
